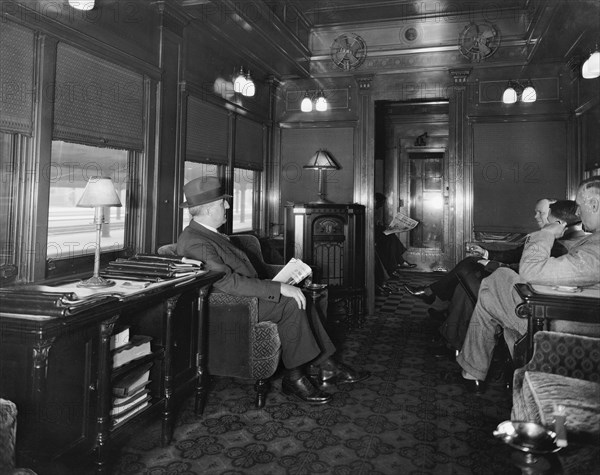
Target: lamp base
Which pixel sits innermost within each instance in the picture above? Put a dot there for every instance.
(322, 199)
(96, 282)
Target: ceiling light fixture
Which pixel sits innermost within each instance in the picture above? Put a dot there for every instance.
(314, 100)
(591, 67)
(517, 91)
(243, 83)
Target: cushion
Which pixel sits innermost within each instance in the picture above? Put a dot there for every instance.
(8, 428)
(541, 391)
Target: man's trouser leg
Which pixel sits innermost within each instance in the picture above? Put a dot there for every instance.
(495, 308)
(301, 340)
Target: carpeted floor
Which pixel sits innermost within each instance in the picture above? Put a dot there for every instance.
(413, 416)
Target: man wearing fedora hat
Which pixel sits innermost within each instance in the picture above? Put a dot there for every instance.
(303, 338)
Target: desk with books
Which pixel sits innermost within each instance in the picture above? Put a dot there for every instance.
(85, 367)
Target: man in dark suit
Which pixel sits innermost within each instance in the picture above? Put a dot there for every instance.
(303, 338)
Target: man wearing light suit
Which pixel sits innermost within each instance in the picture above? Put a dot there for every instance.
(498, 298)
(303, 338)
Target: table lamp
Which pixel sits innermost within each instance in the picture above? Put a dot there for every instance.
(321, 161)
(98, 193)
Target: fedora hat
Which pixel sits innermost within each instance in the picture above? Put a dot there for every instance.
(202, 190)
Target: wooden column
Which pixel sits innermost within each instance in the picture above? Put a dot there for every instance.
(459, 179)
(364, 181)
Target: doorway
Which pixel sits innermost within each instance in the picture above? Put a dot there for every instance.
(411, 170)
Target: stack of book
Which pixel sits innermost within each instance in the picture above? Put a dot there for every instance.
(130, 391)
(131, 394)
(33, 300)
(151, 268)
(125, 349)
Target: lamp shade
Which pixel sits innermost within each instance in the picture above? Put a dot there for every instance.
(249, 88)
(529, 94)
(322, 160)
(99, 191)
(239, 82)
(591, 68)
(82, 4)
(509, 96)
(321, 103)
(306, 104)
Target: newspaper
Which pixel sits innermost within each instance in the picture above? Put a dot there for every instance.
(294, 272)
(400, 224)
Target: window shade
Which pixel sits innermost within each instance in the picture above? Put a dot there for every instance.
(97, 102)
(207, 133)
(248, 144)
(16, 78)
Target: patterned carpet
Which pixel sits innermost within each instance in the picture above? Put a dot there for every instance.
(413, 416)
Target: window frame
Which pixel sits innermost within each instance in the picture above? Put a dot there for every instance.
(64, 266)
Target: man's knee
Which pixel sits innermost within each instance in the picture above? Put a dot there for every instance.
(500, 280)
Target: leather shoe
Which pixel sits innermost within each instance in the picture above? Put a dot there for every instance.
(475, 386)
(304, 390)
(420, 293)
(340, 373)
(406, 265)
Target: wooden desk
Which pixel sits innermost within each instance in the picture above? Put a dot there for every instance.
(58, 369)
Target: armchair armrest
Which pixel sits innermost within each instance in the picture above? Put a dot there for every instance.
(238, 344)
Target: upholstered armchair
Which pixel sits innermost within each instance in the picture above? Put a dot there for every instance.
(239, 345)
(8, 435)
(564, 369)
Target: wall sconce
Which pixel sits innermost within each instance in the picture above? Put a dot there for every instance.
(525, 92)
(98, 193)
(243, 83)
(321, 161)
(318, 98)
(82, 4)
(591, 67)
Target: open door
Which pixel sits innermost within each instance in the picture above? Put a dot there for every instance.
(423, 192)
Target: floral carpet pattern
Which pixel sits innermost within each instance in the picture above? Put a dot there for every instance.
(412, 416)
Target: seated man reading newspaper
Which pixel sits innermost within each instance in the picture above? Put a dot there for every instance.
(303, 338)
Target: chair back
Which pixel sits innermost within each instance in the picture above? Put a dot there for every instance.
(251, 246)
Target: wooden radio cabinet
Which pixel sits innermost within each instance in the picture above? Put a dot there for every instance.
(331, 237)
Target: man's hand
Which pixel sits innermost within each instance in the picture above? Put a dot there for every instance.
(295, 293)
(475, 250)
(557, 228)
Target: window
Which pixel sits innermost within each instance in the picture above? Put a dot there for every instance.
(245, 189)
(71, 230)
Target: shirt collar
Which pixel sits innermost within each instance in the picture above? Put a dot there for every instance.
(210, 228)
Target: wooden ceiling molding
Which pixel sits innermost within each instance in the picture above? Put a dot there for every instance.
(292, 39)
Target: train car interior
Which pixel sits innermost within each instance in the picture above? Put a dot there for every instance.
(299, 236)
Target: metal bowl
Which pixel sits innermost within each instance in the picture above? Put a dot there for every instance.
(527, 437)
(313, 286)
